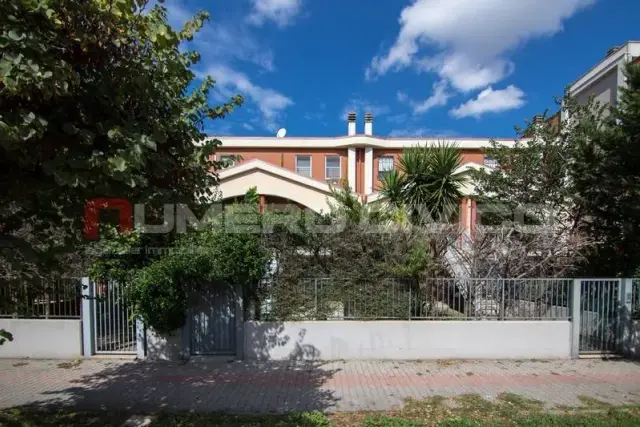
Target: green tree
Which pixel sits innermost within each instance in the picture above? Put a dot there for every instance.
(426, 183)
(223, 254)
(97, 99)
(607, 178)
(531, 208)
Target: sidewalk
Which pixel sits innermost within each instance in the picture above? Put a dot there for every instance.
(265, 387)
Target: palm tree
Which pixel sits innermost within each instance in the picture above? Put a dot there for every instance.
(425, 183)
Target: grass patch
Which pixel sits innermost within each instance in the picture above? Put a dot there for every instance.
(469, 410)
(307, 419)
(593, 403)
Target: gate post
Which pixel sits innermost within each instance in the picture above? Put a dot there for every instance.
(624, 315)
(140, 338)
(575, 318)
(88, 314)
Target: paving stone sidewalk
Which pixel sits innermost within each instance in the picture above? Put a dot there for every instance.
(266, 387)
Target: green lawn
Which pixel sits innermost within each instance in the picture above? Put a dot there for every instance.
(462, 411)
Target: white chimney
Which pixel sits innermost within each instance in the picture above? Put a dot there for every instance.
(351, 124)
(368, 124)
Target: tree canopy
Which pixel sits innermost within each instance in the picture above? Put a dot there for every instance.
(97, 99)
(607, 179)
(580, 181)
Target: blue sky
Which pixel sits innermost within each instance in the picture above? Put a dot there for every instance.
(423, 67)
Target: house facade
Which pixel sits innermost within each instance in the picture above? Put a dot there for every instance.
(604, 80)
(301, 170)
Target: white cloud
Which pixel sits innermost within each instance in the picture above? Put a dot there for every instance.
(281, 12)
(224, 46)
(473, 37)
(463, 73)
(270, 102)
(220, 41)
(402, 97)
(491, 101)
(361, 106)
(439, 98)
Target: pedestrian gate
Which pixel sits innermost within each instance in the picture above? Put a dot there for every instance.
(599, 316)
(212, 322)
(114, 326)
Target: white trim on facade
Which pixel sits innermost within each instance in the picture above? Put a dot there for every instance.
(356, 141)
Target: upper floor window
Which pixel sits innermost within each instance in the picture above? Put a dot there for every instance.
(332, 170)
(303, 165)
(385, 164)
(228, 160)
(491, 162)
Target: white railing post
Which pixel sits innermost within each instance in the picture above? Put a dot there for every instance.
(575, 318)
(88, 314)
(625, 296)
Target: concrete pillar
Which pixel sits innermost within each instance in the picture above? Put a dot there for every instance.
(576, 293)
(368, 170)
(88, 314)
(140, 339)
(239, 323)
(625, 297)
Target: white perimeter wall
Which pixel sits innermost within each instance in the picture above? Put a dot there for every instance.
(631, 341)
(42, 339)
(327, 340)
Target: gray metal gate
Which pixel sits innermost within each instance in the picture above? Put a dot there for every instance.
(114, 327)
(212, 322)
(599, 316)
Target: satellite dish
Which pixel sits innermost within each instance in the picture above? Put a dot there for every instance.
(281, 133)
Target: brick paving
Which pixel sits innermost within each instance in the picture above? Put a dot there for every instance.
(265, 387)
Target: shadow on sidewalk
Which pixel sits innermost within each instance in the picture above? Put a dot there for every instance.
(202, 384)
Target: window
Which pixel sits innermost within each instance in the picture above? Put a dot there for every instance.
(491, 162)
(332, 168)
(303, 165)
(385, 164)
(228, 160)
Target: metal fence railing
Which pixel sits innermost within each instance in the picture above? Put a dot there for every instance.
(434, 299)
(41, 299)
